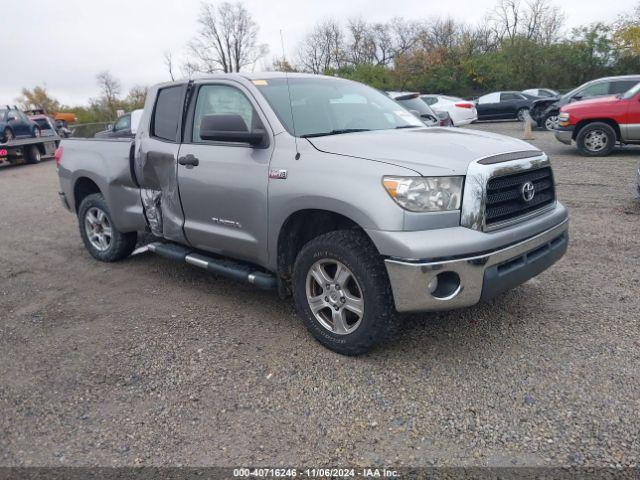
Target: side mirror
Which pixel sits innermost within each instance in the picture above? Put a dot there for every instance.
(110, 126)
(229, 128)
(428, 116)
(576, 98)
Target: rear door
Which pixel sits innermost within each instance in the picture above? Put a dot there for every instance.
(509, 104)
(156, 161)
(224, 196)
(488, 106)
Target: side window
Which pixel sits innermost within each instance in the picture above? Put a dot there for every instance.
(167, 113)
(223, 99)
(508, 96)
(123, 123)
(430, 100)
(489, 98)
(594, 90)
(622, 86)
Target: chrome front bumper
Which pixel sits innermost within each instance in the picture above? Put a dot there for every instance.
(564, 135)
(465, 281)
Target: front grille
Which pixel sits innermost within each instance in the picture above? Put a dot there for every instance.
(505, 200)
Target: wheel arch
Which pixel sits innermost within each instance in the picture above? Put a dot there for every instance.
(583, 123)
(82, 188)
(298, 229)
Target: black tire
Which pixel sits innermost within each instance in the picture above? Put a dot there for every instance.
(7, 135)
(355, 251)
(33, 154)
(520, 114)
(597, 139)
(121, 244)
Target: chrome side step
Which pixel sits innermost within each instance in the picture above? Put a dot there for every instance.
(232, 269)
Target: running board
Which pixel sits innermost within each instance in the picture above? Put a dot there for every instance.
(226, 268)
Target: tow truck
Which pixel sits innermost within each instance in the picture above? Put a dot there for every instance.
(28, 150)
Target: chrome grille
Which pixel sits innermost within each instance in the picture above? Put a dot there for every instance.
(505, 200)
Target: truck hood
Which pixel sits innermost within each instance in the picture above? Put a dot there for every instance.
(591, 102)
(428, 151)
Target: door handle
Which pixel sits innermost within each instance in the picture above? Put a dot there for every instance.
(189, 161)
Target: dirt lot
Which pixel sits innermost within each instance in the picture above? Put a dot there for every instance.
(149, 362)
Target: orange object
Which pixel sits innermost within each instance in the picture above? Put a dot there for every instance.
(66, 117)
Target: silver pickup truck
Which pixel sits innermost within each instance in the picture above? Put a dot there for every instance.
(322, 189)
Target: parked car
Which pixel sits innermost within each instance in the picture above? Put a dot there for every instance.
(503, 105)
(125, 127)
(323, 189)
(15, 124)
(411, 101)
(545, 111)
(541, 92)
(47, 128)
(462, 112)
(596, 125)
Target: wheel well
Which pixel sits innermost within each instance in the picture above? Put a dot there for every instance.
(83, 188)
(300, 228)
(583, 123)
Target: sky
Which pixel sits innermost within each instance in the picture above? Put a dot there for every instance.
(64, 44)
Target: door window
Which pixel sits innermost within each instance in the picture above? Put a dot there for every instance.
(504, 97)
(429, 100)
(223, 99)
(167, 113)
(622, 86)
(489, 98)
(123, 123)
(594, 90)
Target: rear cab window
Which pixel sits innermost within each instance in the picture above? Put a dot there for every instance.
(167, 113)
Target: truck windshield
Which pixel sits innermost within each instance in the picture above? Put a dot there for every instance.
(326, 106)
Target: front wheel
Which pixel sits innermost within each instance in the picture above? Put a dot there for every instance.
(596, 139)
(100, 236)
(551, 121)
(342, 292)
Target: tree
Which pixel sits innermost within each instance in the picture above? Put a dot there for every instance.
(136, 98)
(227, 40)
(110, 89)
(168, 62)
(38, 97)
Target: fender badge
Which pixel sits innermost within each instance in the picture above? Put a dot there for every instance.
(278, 174)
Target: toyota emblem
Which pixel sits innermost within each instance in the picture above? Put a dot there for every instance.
(528, 191)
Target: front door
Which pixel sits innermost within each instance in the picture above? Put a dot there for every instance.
(224, 196)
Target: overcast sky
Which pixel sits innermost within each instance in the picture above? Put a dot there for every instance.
(64, 44)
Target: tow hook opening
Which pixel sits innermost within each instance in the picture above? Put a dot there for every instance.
(444, 286)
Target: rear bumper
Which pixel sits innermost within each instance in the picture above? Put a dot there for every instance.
(564, 134)
(463, 282)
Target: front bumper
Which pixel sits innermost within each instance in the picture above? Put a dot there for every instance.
(465, 281)
(564, 134)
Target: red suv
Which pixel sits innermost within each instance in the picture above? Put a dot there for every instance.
(598, 124)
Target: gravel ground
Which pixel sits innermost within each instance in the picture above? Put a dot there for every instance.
(148, 362)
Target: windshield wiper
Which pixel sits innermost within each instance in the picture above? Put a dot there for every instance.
(408, 126)
(335, 132)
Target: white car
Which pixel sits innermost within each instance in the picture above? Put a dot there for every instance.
(462, 112)
(541, 92)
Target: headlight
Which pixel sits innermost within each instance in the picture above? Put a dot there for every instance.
(425, 194)
(563, 119)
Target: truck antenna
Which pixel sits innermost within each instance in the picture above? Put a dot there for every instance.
(286, 76)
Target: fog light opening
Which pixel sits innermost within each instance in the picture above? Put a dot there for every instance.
(445, 285)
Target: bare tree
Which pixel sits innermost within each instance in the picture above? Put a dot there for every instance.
(536, 20)
(110, 89)
(227, 40)
(323, 48)
(168, 62)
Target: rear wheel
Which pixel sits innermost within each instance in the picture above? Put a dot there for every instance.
(33, 154)
(7, 135)
(342, 292)
(522, 114)
(596, 139)
(100, 236)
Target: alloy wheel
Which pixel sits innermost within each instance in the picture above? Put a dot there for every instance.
(596, 140)
(551, 122)
(334, 296)
(98, 229)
